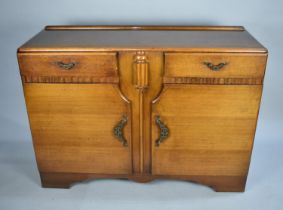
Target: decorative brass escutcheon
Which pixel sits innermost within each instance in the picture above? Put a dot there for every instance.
(141, 68)
(215, 67)
(164, 131)
(118, 130)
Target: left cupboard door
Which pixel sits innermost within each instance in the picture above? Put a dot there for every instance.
(73, 128)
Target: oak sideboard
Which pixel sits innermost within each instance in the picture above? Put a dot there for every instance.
(143, 103)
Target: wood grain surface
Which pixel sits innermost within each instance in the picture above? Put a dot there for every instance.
(72, 128)
(87, 67)
(236, 65)
(211, 129)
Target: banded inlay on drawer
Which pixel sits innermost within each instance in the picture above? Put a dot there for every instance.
(69, 67)
(214, 68)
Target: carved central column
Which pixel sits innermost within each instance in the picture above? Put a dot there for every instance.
(140, 74)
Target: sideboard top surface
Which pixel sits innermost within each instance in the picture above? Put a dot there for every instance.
(151, 38)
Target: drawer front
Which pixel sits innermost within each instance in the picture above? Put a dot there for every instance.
(69, 67)
(216, 65)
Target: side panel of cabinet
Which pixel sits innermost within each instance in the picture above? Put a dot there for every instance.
(211, 129)
(72, 128)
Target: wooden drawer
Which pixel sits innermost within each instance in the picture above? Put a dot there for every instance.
(216, 65)
(69, 67)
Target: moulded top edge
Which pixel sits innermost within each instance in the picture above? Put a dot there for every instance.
(189, 50)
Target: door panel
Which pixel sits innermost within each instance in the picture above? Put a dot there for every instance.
(72, 127)
(211, 129)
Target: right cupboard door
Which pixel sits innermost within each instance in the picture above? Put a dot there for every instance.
(204, 130)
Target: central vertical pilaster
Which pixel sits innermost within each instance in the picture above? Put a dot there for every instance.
(140, 74)
(141, 85)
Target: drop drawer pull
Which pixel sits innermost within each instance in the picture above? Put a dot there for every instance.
(66, 66)
(215, 67)
(164, 131)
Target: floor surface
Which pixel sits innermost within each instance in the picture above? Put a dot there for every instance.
(20, 187)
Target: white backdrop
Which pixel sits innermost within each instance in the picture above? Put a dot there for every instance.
(20, 20)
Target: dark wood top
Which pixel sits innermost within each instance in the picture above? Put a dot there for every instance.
(153, 38)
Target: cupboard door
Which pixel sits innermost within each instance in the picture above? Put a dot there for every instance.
(73, 128)
(210, 129)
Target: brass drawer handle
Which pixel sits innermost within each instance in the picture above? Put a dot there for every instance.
(215, 67)
(66, 66)
(164, 131)
(118, 130)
